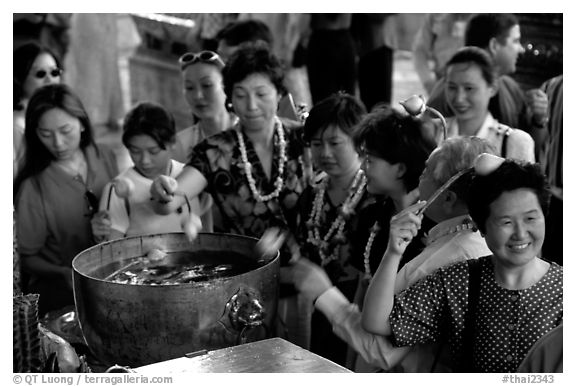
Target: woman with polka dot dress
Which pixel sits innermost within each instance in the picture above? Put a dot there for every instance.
(493, 313)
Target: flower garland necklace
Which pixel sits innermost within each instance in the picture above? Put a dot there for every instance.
(279, 183)
(373, 232)
(337, 228)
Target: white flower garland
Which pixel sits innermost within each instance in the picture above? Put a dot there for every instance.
(373, 232)
(337, 228)
(279, 183)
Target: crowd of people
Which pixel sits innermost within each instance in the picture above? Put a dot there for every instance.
(384, 266)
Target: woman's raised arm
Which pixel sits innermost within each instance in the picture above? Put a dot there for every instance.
(380, 295)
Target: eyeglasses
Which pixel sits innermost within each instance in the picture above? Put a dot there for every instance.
(54, 73)
(202, 56)
(92, 203)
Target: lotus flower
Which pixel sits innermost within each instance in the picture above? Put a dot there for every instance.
(123, 187)
(415, 105)
(191, 225)
(486, 163)
(270, 242)
(156, 255)
(172, 183)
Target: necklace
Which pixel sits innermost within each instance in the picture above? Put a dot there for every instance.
(373, 232)
(77, 169)
(462, 226)
(336, 230)
(279, 183)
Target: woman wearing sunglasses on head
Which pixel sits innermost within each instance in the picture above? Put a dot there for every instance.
(251, 170)
(57, 192)
(34, 66)
(204, 92)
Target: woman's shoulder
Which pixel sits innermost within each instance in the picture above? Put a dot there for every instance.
(219, 146)
(190, 136)
(454, 269)
(228, 136)
(519, 136)
(30, 189)
(556, 269)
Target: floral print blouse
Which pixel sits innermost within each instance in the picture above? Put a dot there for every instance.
(506, 325)
(218, 158)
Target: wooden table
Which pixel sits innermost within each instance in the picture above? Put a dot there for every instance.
(273, 355)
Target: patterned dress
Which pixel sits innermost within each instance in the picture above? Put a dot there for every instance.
(219, 160)
(506, 325)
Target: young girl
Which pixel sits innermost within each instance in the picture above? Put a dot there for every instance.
(328, 206)
(149, 136)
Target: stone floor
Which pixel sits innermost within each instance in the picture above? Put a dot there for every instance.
(405, 84)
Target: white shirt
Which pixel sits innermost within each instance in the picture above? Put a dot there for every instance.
(520, 144)
(142, 219)
(447, 246)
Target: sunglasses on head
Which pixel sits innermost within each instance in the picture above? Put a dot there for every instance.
(54, 73)
(92, 203)
(202, 56)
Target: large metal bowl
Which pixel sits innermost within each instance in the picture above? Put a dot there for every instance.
(135, 325)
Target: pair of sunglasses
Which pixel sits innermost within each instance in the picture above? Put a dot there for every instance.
(54, 73)
(92, 203)
(202, 56)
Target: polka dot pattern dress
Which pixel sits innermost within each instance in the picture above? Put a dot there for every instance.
(507, 322)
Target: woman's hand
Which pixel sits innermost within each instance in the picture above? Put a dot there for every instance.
(537, 102)
(162, 192)
(403, 227)
(163, 188)
(101, 226)
(310, 279)
(271, 242)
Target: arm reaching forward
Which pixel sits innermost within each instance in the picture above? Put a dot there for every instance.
(168, 193)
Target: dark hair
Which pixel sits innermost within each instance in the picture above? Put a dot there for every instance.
(511, 175)
(249, 59)
(238, 32)
(341, 110)
(485, 26)
(396, 138)
(477, 56)
(23, 59)
(149, 119)
(46, 98)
